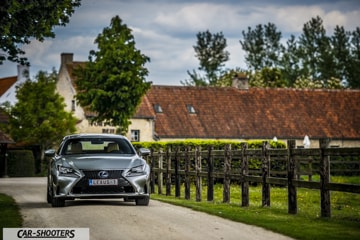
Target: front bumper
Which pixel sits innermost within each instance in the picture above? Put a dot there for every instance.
(77, 186)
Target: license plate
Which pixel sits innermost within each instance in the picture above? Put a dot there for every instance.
(103, 182)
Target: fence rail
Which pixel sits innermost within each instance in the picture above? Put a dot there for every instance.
(266, 166)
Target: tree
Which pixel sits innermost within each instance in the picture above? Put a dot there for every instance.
(113, 82)
(354, 70)
(315, 51)
(39, 117)
(21, 20)
(290, 62)
(262, 46)
(210, 50)
(267, 77)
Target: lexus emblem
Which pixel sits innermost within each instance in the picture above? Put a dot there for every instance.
(103, 174)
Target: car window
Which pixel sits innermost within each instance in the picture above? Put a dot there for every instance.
(94, 146)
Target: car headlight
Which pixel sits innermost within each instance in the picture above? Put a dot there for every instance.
(137, 171)
(65, 170)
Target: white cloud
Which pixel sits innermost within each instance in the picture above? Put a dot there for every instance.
(166, 31)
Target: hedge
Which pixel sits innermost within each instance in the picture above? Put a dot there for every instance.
(20, 163)
(216, 144)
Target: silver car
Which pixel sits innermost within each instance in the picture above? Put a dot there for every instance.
(97, 166)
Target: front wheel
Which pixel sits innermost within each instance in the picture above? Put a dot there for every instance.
(144, 201)
(58, 202)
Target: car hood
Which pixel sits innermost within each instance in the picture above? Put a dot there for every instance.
(91, 162)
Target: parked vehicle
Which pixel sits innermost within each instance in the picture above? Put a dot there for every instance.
(97, 166)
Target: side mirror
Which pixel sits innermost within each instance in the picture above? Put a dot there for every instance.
(50, 152)
(144, 152)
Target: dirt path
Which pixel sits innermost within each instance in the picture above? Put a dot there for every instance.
(115, 219)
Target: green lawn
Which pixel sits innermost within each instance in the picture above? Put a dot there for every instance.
(10, 214)
(307, 224)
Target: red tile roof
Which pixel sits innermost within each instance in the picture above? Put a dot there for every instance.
(252, 114)
(6, 83)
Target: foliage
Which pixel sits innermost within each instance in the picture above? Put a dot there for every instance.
(21, 163)
(10, 216)
(332, 83)
(22, 20)
(112, 83)
(39, 117)
(204, 144)
(314, 55)
(210, 50)
(262, 45)
(267, 77)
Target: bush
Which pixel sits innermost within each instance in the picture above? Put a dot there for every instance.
(21, 163)
(204, 144)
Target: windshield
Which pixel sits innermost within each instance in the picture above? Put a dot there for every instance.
(97, 145)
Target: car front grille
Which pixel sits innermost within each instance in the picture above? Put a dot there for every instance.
(83, 187)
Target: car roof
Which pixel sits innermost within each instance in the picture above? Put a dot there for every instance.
(93, 135)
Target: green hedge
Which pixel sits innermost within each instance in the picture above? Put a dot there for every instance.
(217, 144)
(21, 163)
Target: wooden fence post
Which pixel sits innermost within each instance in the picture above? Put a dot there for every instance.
(152, 173)
(177, 176)
(210, 163)
(265, 174)
(227, 168)
(168, 171)
(160, 172)
(187, 170)
(198, 172)
(324, 179)
(292, 194)
(244, 173)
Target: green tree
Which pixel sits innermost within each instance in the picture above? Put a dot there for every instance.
(289, 65)
(262, 46)
(315, 49)
(354, 69)
(113, 82)
(210, 50)
(39, 117)
(22, 20)
(267, 77)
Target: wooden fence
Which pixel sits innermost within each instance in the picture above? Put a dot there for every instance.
(267, 166)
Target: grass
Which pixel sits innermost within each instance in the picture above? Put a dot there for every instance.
(307, 224)
(10, 216)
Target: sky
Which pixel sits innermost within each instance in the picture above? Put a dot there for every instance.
(165, 30)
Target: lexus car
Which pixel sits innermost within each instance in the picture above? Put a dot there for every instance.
(97, 166)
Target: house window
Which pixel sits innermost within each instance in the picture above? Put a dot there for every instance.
(73, 105)
(190, 109)
(135, 135)
(158, 108)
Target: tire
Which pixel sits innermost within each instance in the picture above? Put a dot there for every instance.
(58, 202)
(142, 201)
(49, 195)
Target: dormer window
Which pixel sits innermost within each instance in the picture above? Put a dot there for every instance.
(158, 108)
(191, 109)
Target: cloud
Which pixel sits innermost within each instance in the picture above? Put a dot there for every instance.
(165, 30)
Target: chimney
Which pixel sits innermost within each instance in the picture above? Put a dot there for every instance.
(66, 58)
(23, 73)
(240, 81)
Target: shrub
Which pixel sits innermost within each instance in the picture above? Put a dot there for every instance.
(21, 163)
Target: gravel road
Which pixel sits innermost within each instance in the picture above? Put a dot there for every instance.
(116, 220)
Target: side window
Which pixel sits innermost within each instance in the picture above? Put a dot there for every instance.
(135, 135)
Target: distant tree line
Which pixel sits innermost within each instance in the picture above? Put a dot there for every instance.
(313, 60)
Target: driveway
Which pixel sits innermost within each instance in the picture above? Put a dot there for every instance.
(115, 219)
